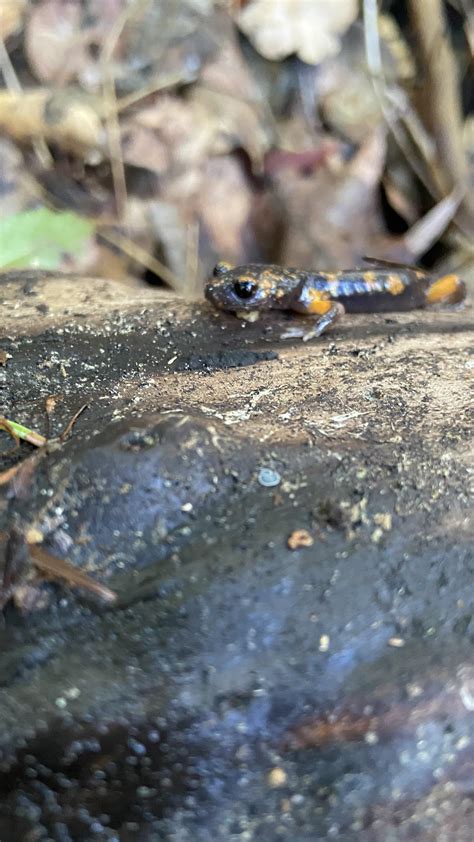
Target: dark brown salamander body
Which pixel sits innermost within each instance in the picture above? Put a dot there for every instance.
(327, 295)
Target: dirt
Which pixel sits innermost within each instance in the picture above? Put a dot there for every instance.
(239, 689)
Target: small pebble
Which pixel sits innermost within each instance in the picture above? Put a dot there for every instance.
(377, 535)
(300, 538)
(277, 777)
(396, 642)
(383, 519)
(324, 641)
(268, 477)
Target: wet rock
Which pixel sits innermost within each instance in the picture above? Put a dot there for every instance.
(240, 689)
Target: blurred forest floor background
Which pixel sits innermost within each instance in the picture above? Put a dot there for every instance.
(145, 140)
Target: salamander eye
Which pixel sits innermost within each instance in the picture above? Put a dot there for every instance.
(245, 289)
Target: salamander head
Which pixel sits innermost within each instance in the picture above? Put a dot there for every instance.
(249, 287)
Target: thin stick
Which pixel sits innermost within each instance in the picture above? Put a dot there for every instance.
(55, 568)
(142, 256)
(170, 82)
(372, 39)
(192, 259)
(71, 423)
(111, 113)
(9, 473)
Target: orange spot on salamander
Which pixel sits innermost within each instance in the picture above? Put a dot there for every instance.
(319, 306)
(448, 290)
(268, 274)
(369, 277)
(395, 285)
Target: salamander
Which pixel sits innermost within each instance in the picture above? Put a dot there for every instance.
(327, 295)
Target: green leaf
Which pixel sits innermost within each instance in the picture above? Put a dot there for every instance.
(40, 239)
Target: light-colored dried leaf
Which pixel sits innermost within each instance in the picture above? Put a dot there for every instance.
(64, 117)
(11, 16)
(311, 30)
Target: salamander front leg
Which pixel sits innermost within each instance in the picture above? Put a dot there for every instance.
(318, 325)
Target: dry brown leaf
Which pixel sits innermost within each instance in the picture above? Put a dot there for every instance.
(55, 45)
(185, 138)
(175, 138)
(345, 84)
(142, 147)
(17, 185)
(333, 217)
(163, 38)
(225, 204)
(235, 124)
(311, 30)
(228, 72)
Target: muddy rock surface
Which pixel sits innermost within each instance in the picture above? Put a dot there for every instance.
(238, 689)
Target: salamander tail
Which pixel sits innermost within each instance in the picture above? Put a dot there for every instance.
(449, 289)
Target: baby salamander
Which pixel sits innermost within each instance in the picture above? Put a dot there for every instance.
(327, 295)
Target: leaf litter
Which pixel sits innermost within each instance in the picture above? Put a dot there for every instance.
(208, 130)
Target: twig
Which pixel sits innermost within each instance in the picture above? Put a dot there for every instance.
(142, 256)
(192, 259)
(394, 103)
(56, 568)
(372, 39)
(439, 100)
(19, 552)
(111, 112)
(171, 81)
(404, 122)
(71, 423)
(9, 473)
